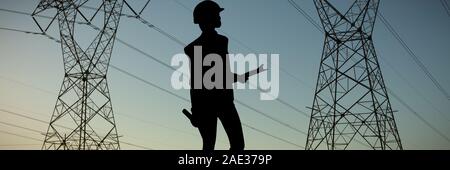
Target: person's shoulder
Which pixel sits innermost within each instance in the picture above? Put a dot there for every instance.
(222, 38)
(190, 47)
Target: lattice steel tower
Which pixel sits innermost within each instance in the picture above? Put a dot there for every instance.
(351, 107)
(84, 103)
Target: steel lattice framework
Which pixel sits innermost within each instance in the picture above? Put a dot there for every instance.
(351, 107)
(84, 99)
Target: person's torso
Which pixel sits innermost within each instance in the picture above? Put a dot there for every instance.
(210, 44)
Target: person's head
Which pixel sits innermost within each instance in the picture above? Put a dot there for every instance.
(207, 15)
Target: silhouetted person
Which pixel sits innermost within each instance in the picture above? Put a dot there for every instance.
(208, 105)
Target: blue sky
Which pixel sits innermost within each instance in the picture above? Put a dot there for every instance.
(149, 117)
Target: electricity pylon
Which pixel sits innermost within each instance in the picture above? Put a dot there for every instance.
(351, 107)
(83, 117)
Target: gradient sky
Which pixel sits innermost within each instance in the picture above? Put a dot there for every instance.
(31, 72)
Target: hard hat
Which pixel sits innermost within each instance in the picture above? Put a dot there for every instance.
(204, 9)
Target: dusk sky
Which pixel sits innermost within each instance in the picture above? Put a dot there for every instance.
(31, 72)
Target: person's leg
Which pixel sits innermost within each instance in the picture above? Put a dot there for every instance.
(232, 125)
(208, 127)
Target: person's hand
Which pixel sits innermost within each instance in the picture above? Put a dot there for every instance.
(194, 117)
(261, 69)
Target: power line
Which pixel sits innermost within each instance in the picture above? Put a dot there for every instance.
(414, 57)
(21, 31)
(422, 66)
(182, 5)
(24, 116)
(446, 7)
(419, 116)
(268, 134)
(187, 100)
(155, 124)
(145, 54)
(311, 21)
(306, 15)
(40, 132)
(246, 125)
(138, 146)
(273, 119)
(149, 83)
(45, 122)
(417, 91)
(21, 127)
(29, 129)
(148, 24)
(29, 32)
(33, 130)
(16, 145)
(22, 136)
(26, 85)
(118, 113)
(21, 115)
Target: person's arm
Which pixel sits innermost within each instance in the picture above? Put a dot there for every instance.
(243, 78)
